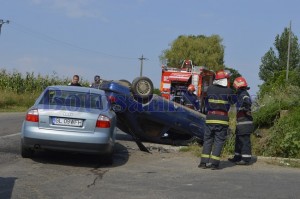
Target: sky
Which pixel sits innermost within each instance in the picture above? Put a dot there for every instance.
(107, 37)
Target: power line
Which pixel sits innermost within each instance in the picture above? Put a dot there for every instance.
(52, 39)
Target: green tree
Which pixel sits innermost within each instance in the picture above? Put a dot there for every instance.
(233, 74)
(275, 60)
(202, 50)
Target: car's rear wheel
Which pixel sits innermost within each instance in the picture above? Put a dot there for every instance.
(142, 87)
(26, 152)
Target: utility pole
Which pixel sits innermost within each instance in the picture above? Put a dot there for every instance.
(141, 69)
(288, 55)
(3, 22)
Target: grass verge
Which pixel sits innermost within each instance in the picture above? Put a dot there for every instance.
(12, 102)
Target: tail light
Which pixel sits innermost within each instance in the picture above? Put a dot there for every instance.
(112, 99)
(32, 115)
(103, 122)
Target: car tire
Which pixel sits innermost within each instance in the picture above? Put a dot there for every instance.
(26, 152)
(142, 87)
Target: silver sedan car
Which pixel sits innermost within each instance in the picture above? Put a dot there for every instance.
(69, 118)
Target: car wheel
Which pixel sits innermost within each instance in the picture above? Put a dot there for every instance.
(142, 87)
(26, 152)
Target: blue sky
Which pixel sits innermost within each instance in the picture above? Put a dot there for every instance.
(107, 37)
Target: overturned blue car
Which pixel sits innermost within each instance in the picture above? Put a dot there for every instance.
(150, 117)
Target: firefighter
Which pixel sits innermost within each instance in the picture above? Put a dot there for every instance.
(190, 99)
(188, 65)
(244, 127)
(218, 101)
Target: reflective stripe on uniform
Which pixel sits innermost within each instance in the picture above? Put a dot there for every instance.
(245, 97)
(205, 156)
(218, 101)
(246, 156)
(244, 122)
(215, 157)
(217, 122)
(237, 154)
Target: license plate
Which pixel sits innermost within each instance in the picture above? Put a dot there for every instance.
(67, 121)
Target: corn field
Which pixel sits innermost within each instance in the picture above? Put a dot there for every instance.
(21, 90)
(19, 83)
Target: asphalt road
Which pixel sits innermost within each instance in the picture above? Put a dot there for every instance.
(163, 173)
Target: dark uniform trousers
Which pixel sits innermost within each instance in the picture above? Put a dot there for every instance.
(242, 150)
(215, 136)
(243, 147)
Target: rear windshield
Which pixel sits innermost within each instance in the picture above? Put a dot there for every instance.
(73, 99)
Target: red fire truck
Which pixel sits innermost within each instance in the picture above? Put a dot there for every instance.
(174, 81)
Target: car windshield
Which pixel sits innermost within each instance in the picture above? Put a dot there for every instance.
(61, 98)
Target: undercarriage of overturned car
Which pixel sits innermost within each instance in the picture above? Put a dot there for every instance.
(149, 117)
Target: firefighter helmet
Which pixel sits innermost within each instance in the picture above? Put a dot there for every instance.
(222, 74)
(191, 88)
(239, 82)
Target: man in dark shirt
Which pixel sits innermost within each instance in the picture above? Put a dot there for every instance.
(75, 81)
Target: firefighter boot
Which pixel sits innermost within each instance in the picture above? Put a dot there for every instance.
(242, 162)
(204, 165)
(235, 159)
(214, 167)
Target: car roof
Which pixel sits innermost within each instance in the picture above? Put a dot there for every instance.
(76, 89)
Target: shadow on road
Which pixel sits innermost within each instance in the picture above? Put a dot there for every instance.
(6, 187)
(227, 164)
(120, 157)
